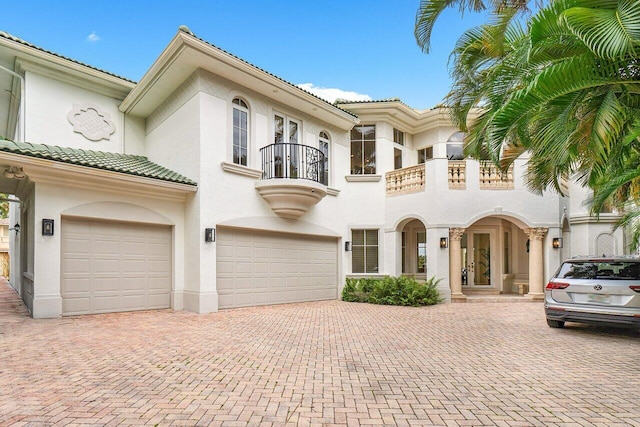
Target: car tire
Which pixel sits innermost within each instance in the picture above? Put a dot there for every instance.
(555, 323)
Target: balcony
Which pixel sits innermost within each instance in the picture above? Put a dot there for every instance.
(294, 178)
(457, 170)
(493, 178)
(406, 180)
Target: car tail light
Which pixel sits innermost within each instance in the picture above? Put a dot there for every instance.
(558, 285)
(635, 288)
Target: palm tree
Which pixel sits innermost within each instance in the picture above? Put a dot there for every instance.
(430, 10)
(565, 89)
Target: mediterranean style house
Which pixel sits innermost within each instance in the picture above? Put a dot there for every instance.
(212, 184)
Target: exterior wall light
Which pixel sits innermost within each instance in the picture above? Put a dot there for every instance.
(209, 235)
(444, 243)
(47, 227)
(16, 228)
(557, 242)
(348, 246)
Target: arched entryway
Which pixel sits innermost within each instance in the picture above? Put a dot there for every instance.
(491, 255)
(413, 254)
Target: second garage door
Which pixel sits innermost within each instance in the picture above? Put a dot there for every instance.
(114, 266)
(257, 268)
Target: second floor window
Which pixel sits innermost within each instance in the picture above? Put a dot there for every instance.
(398, 136)
(363, 150)
(397, 158)
(240, 131)
(323, 146)
(425, 154)
(455, 146)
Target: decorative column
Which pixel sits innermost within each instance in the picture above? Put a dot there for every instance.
(455, 264)
(536, 264)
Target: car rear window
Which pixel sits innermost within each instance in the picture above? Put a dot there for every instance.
(600, 270)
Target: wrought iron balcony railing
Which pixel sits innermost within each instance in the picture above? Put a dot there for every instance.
(294, 161)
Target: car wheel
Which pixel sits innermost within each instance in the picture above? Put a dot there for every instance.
(555, 323)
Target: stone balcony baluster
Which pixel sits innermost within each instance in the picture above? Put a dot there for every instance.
(406, 180)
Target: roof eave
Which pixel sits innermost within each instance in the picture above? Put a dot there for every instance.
(402, 116)
(186, 53)
(71, 175)
(69, 66)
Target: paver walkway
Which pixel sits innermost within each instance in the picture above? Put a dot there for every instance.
(322, 363)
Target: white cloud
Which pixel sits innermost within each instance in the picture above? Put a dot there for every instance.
(93, 37)
(331, 94)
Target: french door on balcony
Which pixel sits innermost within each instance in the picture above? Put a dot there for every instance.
(286, 161)
(476, 258)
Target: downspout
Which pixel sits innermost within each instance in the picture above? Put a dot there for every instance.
(22, 103)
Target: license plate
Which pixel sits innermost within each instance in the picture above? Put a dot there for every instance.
(600, 299)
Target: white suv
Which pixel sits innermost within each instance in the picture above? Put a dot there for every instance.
(595, 290)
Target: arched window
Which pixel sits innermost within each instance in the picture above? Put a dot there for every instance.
(240, 131)
(455, 146)
(323, 146)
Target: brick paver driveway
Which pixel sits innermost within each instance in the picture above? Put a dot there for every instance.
(323, 363)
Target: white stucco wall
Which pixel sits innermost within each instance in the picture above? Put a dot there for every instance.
(49, 101)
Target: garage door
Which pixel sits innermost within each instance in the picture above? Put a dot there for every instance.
(113, 266)
(255, 268)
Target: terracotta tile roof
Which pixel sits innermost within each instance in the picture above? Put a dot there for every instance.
(5, 35)
(114, 162)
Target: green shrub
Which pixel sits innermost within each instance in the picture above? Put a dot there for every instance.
(392, 291)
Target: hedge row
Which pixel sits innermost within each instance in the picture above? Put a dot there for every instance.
(392, 291)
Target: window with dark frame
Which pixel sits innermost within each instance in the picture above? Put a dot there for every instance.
(323, 145)
(398, 136)
(364, 256)
(425, 154)
(363, 150)
(240, 131)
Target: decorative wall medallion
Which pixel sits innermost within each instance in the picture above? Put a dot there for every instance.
(90, 122)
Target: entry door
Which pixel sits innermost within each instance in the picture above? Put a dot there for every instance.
(477, 258)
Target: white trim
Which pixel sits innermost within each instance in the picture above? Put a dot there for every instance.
(363, 178)
(78, 75)
(241, 170)
(332, 191)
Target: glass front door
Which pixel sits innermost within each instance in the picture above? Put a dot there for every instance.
(476, 258)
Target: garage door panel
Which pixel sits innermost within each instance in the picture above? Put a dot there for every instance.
(78, 265)
(122, 267)
(135, 248)
(225, 267)
(78, 305)
(106, 247)
(157, 301)
(277, 268)
(78, 246)
(257, 268)
(105, 302)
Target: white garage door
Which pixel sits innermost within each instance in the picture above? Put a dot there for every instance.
(114, 266)
(255, 268)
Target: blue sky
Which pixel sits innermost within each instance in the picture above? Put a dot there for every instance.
(361, 46)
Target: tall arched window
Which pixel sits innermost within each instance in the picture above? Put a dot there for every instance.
(240, 131)
(323, 146)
